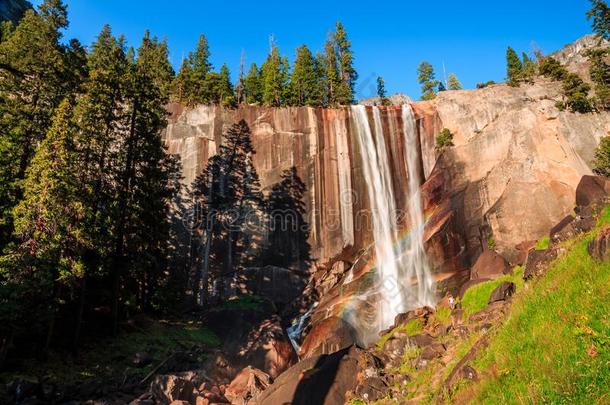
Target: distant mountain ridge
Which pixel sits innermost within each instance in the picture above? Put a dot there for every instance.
(13, 10)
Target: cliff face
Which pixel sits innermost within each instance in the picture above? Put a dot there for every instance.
(13, 9)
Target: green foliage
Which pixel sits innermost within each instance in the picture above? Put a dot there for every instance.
(601, 163)
(274, 79)
(427, 80)
(253, 85)
(443, 316)
(347, 76)
(245, 302)
(305, 86)
(551, 350)
(411, 328)
(491, 243)
(453, 83)
(514, 67)
(381, 91)
(444, 139)
(599, 15)
(477, 297)
(485, 84)
(575, 90)
(600, 74)
(543, 244)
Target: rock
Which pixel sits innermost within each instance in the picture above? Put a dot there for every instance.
(503, 292)
(328, 336)
(522, 250)
(320, 380)
(592, 191)
(490, 265)
(469, 373)
(202, 401)
(141, 359)
(564, 230)
(168, 388)
(599, 248)
(13, 10)
(422, 340)
(537, 262)
(433, 351)
(179, 403)
(247, 386)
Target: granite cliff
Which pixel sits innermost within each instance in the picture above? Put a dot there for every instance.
(13, 9)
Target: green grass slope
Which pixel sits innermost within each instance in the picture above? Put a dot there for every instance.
(555, 345)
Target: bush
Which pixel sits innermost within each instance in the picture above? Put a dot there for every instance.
(444, 139)
(485, 84)
(601, 164)
(551, 68)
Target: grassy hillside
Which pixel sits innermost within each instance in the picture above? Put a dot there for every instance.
(555, 345)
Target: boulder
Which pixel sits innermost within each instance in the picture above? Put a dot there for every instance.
(537, 262)
(522, 250)
(592, 191)
(564, 230)
(168, 388)
(490, 265)
(322, 380)
(433, 351)
(469, 373)
(328, 336)
(141, 359)
(599, 248)
(247, 386)
(503, 292)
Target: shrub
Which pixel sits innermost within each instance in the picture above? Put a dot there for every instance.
(601, 163)
(485, 84)
(444, 139)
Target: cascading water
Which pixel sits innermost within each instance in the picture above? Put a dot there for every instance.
(414, 262)
(404, 278)
(376, 172)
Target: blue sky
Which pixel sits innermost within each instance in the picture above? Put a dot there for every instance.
(388, 38)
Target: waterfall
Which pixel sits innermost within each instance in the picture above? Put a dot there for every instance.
(413, 258)
(377, 177)
(404, 278)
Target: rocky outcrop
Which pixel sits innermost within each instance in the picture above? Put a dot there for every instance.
(599, 248)
(489, 265)
(13, 10)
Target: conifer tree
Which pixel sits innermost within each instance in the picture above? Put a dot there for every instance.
(514, 69)
(427, 80)
(600, 74)
(157, 58)
(344, 92)
(253, 86)
(181, 84)
(529, 68)
(273, 73)
(599, 15)
(304, 83)
(34, 78)
(225, 88)
(453, 82)
(331, 72)
(381, 91)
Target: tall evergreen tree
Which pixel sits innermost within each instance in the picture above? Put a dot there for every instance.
(253, 86)
(304, 82)
(427, 80)
(383, 99)
(347, 74)
(514, 67)
(600, 74)
(273, 74)
(599, 15)
(331, 71)
(453, 83)
(157, 58)
(34, 78)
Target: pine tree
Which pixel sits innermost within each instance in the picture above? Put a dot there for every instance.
(453, 82)
(601, 163)
(157, 57)
(514, 70)
(344, 92)
(381, 91)
(529, 68)
(304, 83)
(331, 72)
(273, 74)
(600, 74)
(181, 84)
(253, 86)
(34, 78)
(427, 80)
(49, 219)
(600, 16)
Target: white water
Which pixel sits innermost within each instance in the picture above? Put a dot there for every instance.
(381, 200)
(413, 258)
(405, 281)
